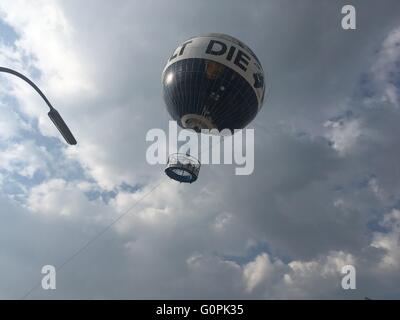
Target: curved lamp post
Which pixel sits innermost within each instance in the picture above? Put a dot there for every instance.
(53, 113)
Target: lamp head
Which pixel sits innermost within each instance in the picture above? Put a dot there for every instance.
(61, 126)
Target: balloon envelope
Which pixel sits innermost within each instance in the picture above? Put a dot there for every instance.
(213, 81)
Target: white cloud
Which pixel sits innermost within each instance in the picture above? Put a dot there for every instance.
(390, 241)
(58, 197)
(25, 159)
(47, 35)
(11, 124)
(222, 221)
(257, 271)
(386, 67)
(343, 134)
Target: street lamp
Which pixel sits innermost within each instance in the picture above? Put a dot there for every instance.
(53, 113)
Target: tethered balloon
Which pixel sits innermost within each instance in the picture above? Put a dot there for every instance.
(212, 81)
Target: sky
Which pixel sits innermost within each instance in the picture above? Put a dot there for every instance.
(325, 191)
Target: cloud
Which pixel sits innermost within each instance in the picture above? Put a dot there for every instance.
(325, 187)
(389, 242)
(24, 159)
(257, 271)
(11, 124)
(58, 197)
(343, 136)
(385, 70)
